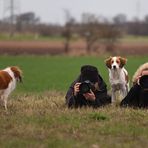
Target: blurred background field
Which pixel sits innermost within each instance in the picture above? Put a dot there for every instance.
(44, 73)
(83, 33)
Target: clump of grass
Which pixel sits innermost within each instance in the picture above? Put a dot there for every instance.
(98, 116)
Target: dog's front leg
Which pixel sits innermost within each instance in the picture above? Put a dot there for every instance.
(113, 96)
(4, 101)
(124, 92)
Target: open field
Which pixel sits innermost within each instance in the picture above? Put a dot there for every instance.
(37, 115)
(55, 46)
(43, 73)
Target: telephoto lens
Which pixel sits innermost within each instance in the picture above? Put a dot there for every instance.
(86, 86)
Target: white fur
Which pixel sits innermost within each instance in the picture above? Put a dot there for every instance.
(5, 93)
(117, 79)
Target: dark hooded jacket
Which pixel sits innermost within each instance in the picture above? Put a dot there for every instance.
(138, 95)
(90, 73)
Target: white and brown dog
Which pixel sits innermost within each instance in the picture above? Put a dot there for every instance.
(8, 79)
(118, 76)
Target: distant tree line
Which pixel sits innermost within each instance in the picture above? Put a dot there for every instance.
(92, 29)
(29, 22)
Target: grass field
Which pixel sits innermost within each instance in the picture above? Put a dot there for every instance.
(43, 73)
(37, 115)
(29, 37)
(35, 37)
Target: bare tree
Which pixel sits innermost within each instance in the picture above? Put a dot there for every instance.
(110, 35)
(146, 19)
(120, 19)
(90, 30)
(28, 22)
(67, 32)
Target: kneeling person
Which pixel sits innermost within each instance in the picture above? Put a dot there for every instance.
(88, 89)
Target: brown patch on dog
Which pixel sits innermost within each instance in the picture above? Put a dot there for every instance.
(5, 79)
(17, 73)
(126, 78)
(108, 62)
(122, 61)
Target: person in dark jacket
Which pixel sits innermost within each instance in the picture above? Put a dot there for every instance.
(89, 89)
(138, 94)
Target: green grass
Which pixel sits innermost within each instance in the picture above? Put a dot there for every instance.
(43, 73)
(29, 37)
(36, 37)
(134, 39)
(37, 115)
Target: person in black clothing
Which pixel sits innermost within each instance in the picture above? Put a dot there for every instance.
(138, 94)
(95, 97)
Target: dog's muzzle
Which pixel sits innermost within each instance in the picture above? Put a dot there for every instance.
(114, 67)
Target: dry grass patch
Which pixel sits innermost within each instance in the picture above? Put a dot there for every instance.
(43, 120)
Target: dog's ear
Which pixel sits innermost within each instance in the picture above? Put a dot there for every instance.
(108, 62)
(122, 61)
(17, 73)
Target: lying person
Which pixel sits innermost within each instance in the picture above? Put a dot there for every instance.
(88, 89)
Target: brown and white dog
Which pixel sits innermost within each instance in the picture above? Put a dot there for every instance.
(118, 76)
(8, 79)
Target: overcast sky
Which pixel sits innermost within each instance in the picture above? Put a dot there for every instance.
(52, 11)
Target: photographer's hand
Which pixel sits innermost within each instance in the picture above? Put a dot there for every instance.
(76, 88)
(90, 96)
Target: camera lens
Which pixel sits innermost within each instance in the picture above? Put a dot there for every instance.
(84, 88)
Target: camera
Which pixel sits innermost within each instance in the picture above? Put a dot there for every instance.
(144, 82)
(86, 86)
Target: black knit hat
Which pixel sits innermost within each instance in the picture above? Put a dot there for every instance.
(89, 72)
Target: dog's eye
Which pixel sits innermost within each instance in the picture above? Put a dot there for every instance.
(118, 62)
(112, 62)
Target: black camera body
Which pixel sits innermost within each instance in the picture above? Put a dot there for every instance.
(86, 86)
